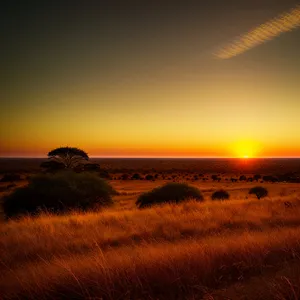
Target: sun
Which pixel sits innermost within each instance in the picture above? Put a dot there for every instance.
(245, 149)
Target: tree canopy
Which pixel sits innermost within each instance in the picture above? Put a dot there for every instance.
(259, 191)
(69, 156)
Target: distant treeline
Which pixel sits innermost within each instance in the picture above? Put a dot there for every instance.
(122, 165)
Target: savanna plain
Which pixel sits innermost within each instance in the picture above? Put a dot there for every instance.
(244, 247)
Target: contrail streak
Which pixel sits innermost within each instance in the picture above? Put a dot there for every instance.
(261, 34)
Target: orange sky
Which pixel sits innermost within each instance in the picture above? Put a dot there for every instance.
(152, 86)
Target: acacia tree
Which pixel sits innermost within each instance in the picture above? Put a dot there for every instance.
(70, 157)
(259, 192)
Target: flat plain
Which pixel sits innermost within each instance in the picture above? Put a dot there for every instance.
(242, 248)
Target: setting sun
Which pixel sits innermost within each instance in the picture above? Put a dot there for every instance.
(246, 149)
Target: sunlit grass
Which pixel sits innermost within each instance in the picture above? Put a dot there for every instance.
(189, 249)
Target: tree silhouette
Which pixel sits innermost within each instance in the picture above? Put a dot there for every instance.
(257, 177)
(136, 176)
(243, 178)
(149, 177)
(214, 177)
(259, 192)
(68, 156)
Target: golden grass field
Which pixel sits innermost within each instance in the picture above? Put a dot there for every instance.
(242, 248)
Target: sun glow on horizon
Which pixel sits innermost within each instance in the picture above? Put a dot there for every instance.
(246, 149)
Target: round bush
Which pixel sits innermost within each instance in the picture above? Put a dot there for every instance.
(124, 177)
(220, 195)
(259, 191)
(149, 177)
(169, 193)
(59, 192)
(136, 176)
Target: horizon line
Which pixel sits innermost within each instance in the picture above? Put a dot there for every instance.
(164, 157)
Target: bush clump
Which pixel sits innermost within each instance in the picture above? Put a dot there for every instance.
(10, 178)
(91, 167)
(58, 193)
(243, 178)
(136, 176)
(149, 177)
(124, 176)
(220, 195)
(259, 192)
(169, 193)
(104, 174)
(52, 166)
(256, 177)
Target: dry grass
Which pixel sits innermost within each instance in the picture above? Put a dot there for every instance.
(163, 270)
(186, 251)
(47, 236)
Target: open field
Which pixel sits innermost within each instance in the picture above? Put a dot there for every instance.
(207, 165)
(242, 248)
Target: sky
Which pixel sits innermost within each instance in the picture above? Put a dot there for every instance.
(150, 78)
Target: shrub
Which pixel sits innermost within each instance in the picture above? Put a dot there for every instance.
(124, 176)
(136, 176)
(58, 192)
(52, 166)
(12, 185)
(220, 195)
(214, 177)
(91, 167)
(104, 174)
(149, 177)
(259, 192)
(78, 168)
(169, 193)
(243, 178)
(270, 178)
(256, 177)
(11, 177)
